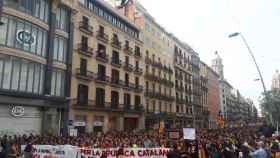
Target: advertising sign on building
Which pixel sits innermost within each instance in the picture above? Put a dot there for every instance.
(17, 111)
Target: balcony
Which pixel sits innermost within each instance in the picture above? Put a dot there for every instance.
(116, 62)
(85, 50)
(86, 28)
(138, 71)
(102, 78)
(157, 64)
(138, 88)
(148, 60)
(133, 109)
(102, 56)
(100, 35)
(115, 105)
(116, 44)
(128, 86)
(138, 54)
(150, 94)
(84, 75)
(116, 83)
(128, 67)
(128, 50)
(180, 88)
(179, 76)
(166, 82)
(151, 77)
(180, 101)
(167, 69)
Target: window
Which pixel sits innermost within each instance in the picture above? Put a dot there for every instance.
(137, 81)
(115, 76)
(115, 57)
(127, 60)
(147, 86)
(62, 19)
(126, 79)
(101, 72)
(21, 75)
(101, 30)
(85, 21)
(82, 94)
(101, 49)
(23, 35)
(83, 67)
(100, 97)
(37, 8)
(137, 50)
(60, 49)
(137, 100)
(57, 83)
(126, 44)
(84, 42)
(127, 100)
(114, 99)
(137, 64)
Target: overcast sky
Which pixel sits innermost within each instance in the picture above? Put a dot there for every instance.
(206, 24)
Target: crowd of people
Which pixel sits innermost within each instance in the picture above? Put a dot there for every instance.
(242, 142)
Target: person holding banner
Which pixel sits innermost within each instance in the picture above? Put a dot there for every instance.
(174, 153)
(120, 153)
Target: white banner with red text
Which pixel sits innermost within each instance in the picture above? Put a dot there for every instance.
(68, 151)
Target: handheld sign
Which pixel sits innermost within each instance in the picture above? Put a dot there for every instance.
(189, 133)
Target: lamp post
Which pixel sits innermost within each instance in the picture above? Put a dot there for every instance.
(254, 59)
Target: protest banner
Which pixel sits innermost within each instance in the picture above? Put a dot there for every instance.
(68, 151)
(49, 151)
(128, 152)
(189, 133)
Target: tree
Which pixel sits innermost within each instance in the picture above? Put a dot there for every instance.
(270, 104)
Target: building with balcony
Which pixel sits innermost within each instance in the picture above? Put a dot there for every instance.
(35, 48)
(107, 70)
(182, 55)
(213, 97)
(235, 109)
(203, 113)
(158, 70)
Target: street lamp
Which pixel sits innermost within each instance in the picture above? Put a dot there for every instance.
(254, 59)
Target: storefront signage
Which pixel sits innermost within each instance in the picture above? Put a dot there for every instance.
(17, 111)
(98, 123)
(25, 37)
(79, 124)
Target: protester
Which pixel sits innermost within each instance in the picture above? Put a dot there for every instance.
(260, 152)
(242, 142)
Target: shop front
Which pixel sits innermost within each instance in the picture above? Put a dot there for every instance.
(20, 120)
(17, 119)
